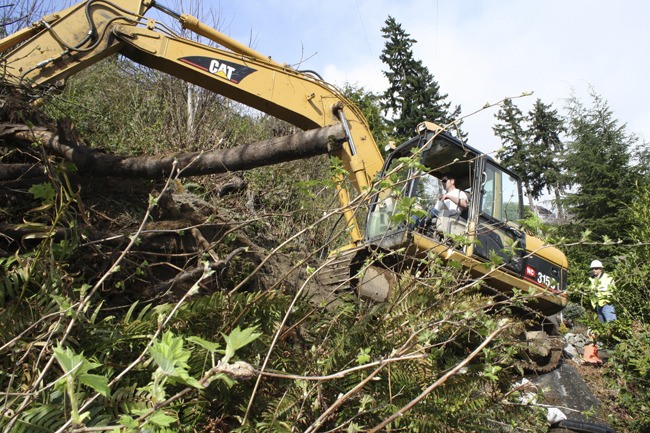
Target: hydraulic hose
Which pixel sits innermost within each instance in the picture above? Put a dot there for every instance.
(584, 427)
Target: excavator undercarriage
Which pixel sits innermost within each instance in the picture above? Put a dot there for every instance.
(373, 276)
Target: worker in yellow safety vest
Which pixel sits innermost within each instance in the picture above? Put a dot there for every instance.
(602, 292)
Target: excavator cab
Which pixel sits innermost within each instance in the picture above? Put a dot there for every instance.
(414, 173)
(487, 232)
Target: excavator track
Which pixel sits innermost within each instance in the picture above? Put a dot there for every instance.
(334, 276)
(347, 273)
(338, 276)
(333, 279)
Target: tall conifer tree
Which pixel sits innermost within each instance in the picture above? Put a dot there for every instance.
(513, 137)
(413, 95)
(601, 175)
(532, 148)
(546, 152)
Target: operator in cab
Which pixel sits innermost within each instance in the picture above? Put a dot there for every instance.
(453, 201)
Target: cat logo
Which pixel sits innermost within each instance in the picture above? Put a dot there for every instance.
(222, 69)
(230, 71)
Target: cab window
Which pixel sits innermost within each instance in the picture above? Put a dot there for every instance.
(500, 195)
(385, 205)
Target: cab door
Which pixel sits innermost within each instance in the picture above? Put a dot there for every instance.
(500, 206)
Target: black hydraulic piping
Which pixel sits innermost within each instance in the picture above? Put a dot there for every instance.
(165, 9)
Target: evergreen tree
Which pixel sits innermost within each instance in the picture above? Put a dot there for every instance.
(544, 136)
(413, 95)
(513, 136)
(531, 147)
(602, 178)
(641, 156)
(633, 266)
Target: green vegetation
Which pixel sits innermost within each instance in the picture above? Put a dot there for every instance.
(413, 95)
(98, 335)
(605, 201)
(532, 147)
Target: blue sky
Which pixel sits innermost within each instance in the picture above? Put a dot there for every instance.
(479, 51)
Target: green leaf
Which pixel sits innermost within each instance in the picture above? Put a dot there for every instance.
(169, 353)
(491, 372)
(229, 381)
(77, 366)
(207, 345)
(71, 362)
(238, 339)
(96, 382)
(420, 213)
(44, 192)
(171, 358)
(161, 419)
(364, 356)
(353, 428)
(128, 422)
(365, 402)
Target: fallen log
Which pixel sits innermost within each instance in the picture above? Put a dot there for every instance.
(195, 273)
(67, 144)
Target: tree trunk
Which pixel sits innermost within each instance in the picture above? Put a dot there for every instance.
(558, 203)
(87, 160)
(531, 202)
(191, 110)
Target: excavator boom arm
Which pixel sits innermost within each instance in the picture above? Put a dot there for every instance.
(81, 35)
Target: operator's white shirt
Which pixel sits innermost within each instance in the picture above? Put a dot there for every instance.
(448, 204)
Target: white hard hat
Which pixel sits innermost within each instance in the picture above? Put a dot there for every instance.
(596, 264)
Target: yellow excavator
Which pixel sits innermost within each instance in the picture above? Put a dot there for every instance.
(63, 43)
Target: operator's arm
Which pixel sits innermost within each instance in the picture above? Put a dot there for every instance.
(458, 198)
(463, 201)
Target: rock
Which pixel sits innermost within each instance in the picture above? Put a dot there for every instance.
(572, 353)
(578, 341)
(565, 389)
